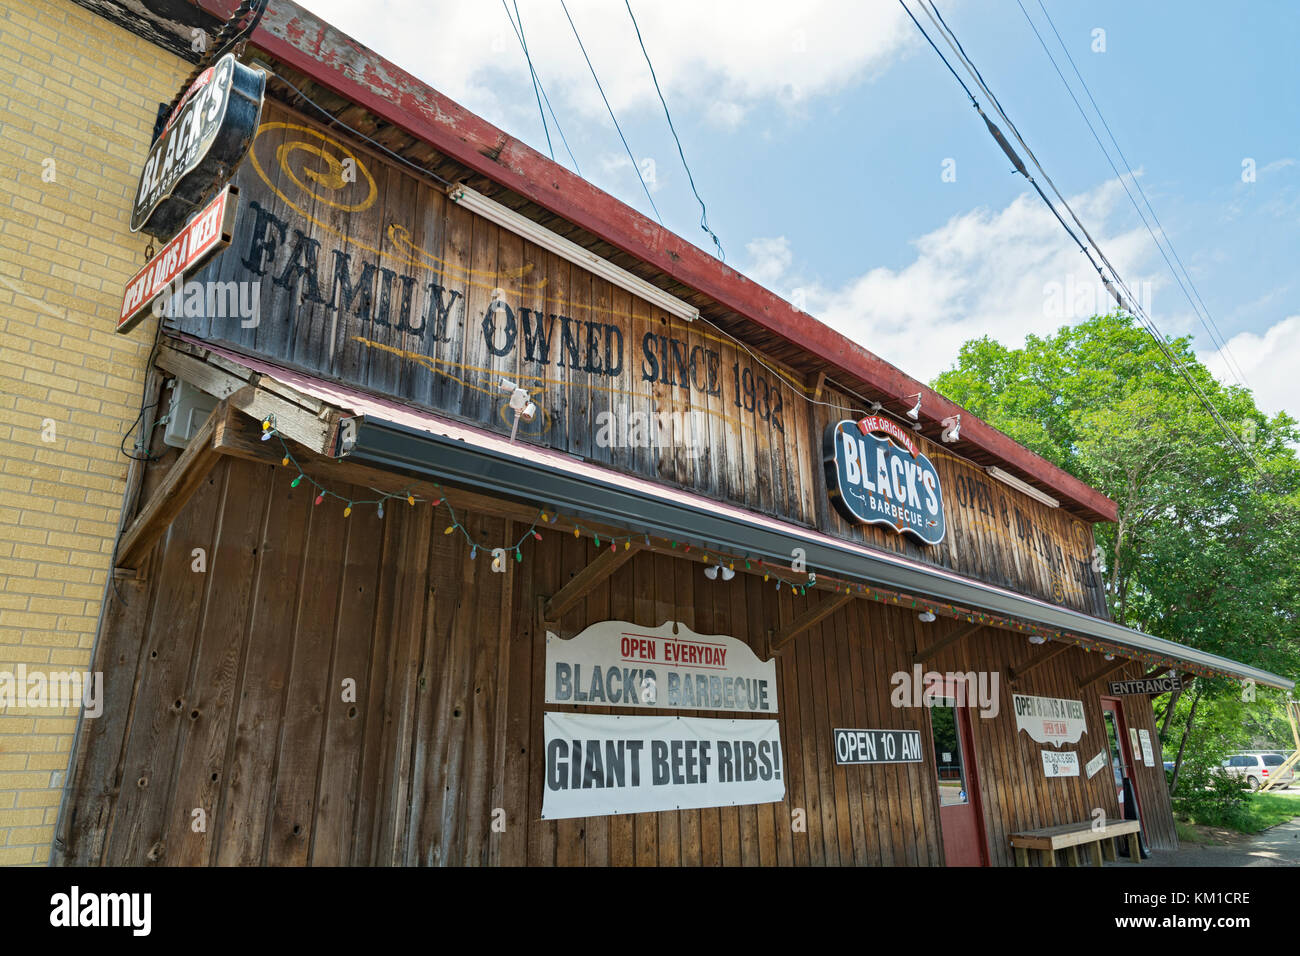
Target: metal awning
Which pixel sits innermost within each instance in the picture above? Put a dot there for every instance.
(413, 442)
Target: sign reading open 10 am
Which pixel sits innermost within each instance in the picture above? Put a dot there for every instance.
(876, 474)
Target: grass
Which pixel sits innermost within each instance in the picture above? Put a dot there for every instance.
(1259, 812)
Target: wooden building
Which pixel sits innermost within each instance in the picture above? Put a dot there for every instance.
(511, 529)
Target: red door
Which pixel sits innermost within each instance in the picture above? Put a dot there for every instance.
(1120, 746)
(960, 817)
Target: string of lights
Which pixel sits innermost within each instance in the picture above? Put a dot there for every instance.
(723, 564)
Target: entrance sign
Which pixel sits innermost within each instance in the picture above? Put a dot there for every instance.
(1148, 754)
(878, 746)
(204, 140)
(876, 474)
(1095, 764)
(1060, 763)
(1151, 685)
(665, 667)
(598, 765)
(1050, 720)
(208, 233)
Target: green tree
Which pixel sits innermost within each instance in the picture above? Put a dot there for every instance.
(1204, 548)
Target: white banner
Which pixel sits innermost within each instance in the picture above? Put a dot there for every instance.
(597, 765)
(1148, 754)
(1060, 763)
(1050, 720)
(664, 667)
(1095, 764)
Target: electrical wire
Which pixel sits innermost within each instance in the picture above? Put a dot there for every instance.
(537, 80)
(519, 35)
(704, 213)
(1126, 301)
(1230, 360)
(635, 168)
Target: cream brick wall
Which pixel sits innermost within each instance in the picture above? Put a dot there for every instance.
(82, 92)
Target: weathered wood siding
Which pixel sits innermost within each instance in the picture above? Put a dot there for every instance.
(368, 274)
(224, 694)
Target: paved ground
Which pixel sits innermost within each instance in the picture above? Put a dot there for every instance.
(1276, 846)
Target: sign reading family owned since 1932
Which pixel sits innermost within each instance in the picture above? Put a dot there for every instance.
(877, 746)
(1146, 685)
(670, 666)
(1050, 720)
(203, 140)
(597, 765)
(876, 474)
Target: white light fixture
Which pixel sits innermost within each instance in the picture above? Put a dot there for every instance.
(925, 617)
(914, 413)
(728, 574)
(711, 572)
(536, 233)
(1108, 657)
(1022, 486)
(524, 409)
(1037, 639)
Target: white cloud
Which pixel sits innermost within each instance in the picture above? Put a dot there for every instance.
(720, 57)
(1002, 273)
(1268, 363)
(769, 259)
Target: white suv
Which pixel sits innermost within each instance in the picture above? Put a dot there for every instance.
(1256, 766)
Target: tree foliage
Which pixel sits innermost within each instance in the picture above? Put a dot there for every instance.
(1204, 550)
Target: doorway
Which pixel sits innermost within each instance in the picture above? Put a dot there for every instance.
(1121, 749)
(960, 816)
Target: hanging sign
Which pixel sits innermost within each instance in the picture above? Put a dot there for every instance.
(598, 765)
(1149, 685)
(1095, 764)
(203, 141)
(1050, 720)
(1060, 763)
(876, 474)
(207, 234)
(1148, 753)
(878, 746)
(666, 667)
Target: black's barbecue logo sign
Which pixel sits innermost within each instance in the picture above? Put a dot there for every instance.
(204, 139)
(875, 474)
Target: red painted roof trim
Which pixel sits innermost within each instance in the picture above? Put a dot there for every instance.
(299, 38)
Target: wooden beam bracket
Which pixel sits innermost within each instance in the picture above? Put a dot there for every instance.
(961, 633)
(1015, 673)
(600, 568)
(779, 639)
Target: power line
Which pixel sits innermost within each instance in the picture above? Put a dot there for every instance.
(519, 35)
(704, 213)
(1131, 305)
(1229, 359)
(635, 168)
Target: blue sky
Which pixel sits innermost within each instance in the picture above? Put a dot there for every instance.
(819, 134)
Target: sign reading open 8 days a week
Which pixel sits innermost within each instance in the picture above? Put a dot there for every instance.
(597, 765)
(876, 474)
(670, 666)
(1050, 720)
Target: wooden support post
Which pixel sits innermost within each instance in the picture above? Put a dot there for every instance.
(1022, 856)
(818, 612)
(170, 497)
(1134, 847)
(920, 657)
(1110, 668)
(1074, 856)
(605, 564)
(1049, 857)
(1110, 851)
(1015, 673)
(1096, 853)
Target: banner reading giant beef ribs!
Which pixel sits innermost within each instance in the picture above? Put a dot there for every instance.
(598, 765)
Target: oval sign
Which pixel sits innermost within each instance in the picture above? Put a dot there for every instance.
(871, 479)
(203, 141)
